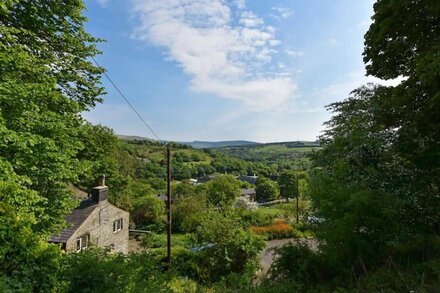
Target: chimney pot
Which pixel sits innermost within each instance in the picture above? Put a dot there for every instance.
(100, 193)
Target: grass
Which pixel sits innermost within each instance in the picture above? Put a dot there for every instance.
(270, 153)
(271, 211)
(155, 240)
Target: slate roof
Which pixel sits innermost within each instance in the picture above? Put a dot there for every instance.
(75, 219)
(250, 179)
(248, 191)
(204, 179)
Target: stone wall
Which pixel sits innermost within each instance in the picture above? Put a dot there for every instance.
(99, 225)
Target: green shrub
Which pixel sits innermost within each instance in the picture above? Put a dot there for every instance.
(255, 217)
(97, 270)
(154, 240)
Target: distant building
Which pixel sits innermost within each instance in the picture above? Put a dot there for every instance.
(249, 179)
(250, 193)
(95, 221)
(162, 197)
(204, 179)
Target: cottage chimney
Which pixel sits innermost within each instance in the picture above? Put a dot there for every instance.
(100, 194)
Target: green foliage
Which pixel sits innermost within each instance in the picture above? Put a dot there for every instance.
(222, 190)
(256, 217)
(224, 247)
(186, 211)
(96, 270)
(375, 188)
(410, 111)
(266, 189)
(298, 263)
(46, 81)
(22, 246)
(274, 152)
(183, 189)
(288, 184)
(154, 240)
(99, 157)
(149, 210)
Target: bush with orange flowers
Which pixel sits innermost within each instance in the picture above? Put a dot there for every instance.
(278, 230)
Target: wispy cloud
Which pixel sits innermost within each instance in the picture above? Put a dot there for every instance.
(241, 4)
(224, 56)
(293, 53)
(249, 19)
(283, 12)
(355, 79)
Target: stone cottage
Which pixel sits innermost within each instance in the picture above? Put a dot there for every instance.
(250, 193)
(95, 221)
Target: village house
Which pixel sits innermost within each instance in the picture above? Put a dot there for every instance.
(249, 193)
(205, 179)
(95, 222)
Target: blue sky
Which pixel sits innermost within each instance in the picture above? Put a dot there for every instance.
(227, 69)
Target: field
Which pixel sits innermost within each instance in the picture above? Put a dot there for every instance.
(270, 153)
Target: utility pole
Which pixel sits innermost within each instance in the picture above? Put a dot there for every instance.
(168, 207)
(297, 199)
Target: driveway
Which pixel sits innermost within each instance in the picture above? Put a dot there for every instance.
(267, 255)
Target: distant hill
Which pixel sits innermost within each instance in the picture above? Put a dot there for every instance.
(229, 143)
(220, 144)
(197, 144)
(133, 137)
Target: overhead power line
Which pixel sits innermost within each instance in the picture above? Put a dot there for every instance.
(127, 101)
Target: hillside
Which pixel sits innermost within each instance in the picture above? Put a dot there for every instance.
(195, 144)
(219, 144)
(272, 152)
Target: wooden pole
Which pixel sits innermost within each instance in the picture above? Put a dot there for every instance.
(168, 206)
(297, 199)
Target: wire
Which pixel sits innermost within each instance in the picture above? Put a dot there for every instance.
(127, 101)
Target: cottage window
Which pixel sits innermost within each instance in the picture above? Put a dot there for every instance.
(117, 225)
(82, 242)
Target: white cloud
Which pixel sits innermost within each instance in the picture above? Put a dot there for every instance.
(223, 59)
(283, 11)
(249, 19)
(341, 90)
(241, 4)
(293, 53)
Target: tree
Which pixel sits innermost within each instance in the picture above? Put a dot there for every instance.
(186, 211)
(225, 247)
(222, 190)
(404, 41)
(288, 184)
(149, 210)
(99, 157)
(266, 189)
(376, 188)
(46, 81)
(183, 189)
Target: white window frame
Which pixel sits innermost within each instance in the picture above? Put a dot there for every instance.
(118, 225)
(82, 243)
